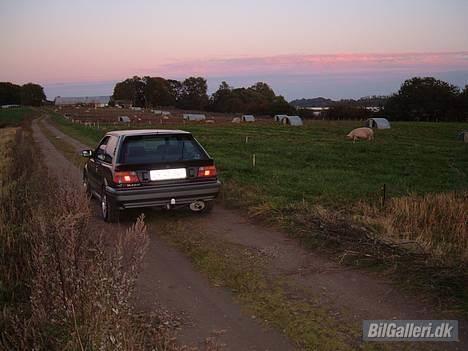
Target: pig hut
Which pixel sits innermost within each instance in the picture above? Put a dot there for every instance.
(292, 121)
(378, 123)
(248, 118)
(194, 117)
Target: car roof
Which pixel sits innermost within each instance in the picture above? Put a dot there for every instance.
(133, 132)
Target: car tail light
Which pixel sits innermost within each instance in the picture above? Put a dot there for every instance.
(207, 171)
(126, 178)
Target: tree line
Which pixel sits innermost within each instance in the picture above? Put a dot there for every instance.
(368, 101)
(29, 94)
(418, 99)
(428, 99)
(192, 94)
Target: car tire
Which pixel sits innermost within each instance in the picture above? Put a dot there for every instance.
(86, 187)
(109, 212)
(207, 208)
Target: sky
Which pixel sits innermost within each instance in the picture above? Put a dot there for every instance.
(302, 48)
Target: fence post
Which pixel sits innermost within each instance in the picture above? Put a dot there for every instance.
(384, 194)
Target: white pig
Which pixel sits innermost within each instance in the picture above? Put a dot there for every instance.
(361, 133)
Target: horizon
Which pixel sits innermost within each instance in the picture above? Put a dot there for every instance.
(352, 48)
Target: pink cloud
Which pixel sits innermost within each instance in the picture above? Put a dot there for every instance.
(317, 64)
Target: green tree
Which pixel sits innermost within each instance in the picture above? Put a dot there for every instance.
(257, 99)
(280, 106)
(344, 110)
(132, 89)
(264, 90)
(219, 101)
(10, 94)
(158, 92)
(424, 99)
(463, 104)
(32, 94)
(194, 94)
(175, 89)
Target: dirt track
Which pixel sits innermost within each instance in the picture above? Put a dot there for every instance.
(170, 280)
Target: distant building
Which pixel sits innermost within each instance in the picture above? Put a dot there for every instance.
(94, 101)
(317, 111)
(160, 112)
(123, 103)
(374, 108)
(193, 117)
(248, 118)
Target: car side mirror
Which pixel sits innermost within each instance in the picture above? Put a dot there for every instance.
(87, 153)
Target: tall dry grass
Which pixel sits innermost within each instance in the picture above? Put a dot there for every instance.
(62, 287)
(435, 224)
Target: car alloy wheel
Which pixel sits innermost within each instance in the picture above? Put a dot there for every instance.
(104, 206)
(197, 206)
(86, 186)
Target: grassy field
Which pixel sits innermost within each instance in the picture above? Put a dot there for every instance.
(326, 191)
(14, 116)
(316, 164)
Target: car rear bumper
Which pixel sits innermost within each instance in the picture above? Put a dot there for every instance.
(161, 196)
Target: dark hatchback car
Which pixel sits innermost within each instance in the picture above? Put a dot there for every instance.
(150, 168)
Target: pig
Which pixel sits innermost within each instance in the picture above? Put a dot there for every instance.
(361, 133)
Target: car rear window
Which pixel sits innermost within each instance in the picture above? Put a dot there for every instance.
(160, 148)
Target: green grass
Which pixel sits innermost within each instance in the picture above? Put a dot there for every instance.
(68, 150)
(87, 135)
(14, 116)
(317, 164)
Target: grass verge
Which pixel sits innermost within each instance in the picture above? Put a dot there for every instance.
(85, 134)
(14, 117)
(68, 150)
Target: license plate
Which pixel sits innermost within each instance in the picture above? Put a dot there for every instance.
(168, 174)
